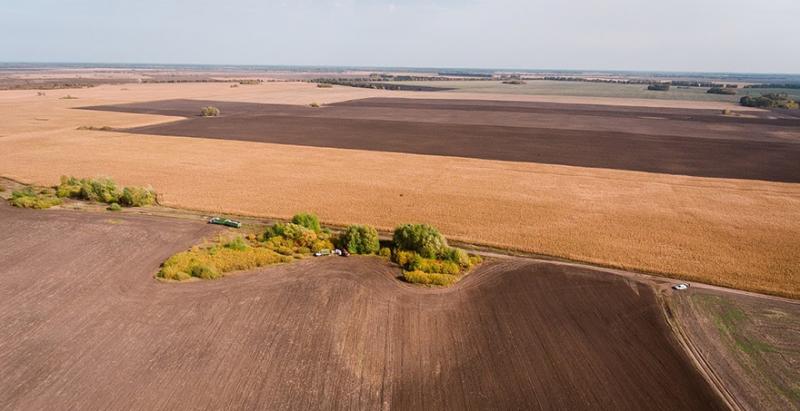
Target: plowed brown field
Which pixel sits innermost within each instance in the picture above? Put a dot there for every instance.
(84, 326)
(707, 144)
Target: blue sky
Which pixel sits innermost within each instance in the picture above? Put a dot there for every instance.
(677, 35)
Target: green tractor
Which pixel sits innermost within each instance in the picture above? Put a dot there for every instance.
(225, 222)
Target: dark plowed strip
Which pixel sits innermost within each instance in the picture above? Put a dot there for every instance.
(626, 142)
(84, 326)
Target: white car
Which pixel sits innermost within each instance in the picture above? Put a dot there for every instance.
(680, 287)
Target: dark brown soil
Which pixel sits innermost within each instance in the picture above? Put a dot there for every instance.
(673, 141)
(84, 326)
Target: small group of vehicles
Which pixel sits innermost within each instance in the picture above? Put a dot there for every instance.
(327, 253)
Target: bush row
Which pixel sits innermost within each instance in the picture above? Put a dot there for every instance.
(104, 190)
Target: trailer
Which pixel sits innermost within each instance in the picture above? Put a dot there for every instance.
(225, 222)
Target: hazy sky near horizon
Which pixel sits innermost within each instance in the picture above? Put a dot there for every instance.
(675, 35)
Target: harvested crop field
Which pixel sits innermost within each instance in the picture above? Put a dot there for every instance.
(84, 325)
(673, 141)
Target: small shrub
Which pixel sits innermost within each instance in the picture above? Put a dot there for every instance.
(307, 220)
(209, 111)
(314, 105)
(68, 97)
(324, 85)
(137, 197)
(385, 252)
(727, 112)
(457, 256)
(30, 198)
(237, 244)
(95, 128)
(406, 259)
(204, 271)
(360, 239)
(475, 260)
(114, 207)
(419, 277)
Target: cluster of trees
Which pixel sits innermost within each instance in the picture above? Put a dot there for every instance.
(771, 100)
(104, 190)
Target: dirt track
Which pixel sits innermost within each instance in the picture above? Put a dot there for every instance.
(671, 141)
(83, 325)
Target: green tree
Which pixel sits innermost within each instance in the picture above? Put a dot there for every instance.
(360, 239)
(423, 239)
(307, 220)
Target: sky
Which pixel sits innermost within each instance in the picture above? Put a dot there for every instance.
(675, 35)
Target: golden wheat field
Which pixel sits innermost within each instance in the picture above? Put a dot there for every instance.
(737, 233)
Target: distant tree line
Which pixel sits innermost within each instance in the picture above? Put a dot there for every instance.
(793, 86)
(465, 74)
(362, 83)
(677, 83)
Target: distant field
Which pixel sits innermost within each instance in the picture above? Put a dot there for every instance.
(586, 89)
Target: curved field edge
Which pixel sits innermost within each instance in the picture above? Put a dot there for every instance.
(521, 333)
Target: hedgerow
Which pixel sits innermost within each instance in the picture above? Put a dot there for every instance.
(104, 190)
